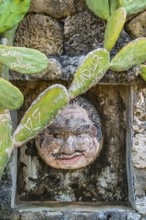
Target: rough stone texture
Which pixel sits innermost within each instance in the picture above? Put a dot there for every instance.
(139, 127)
(139, 148)
(66, 215)
(53, 72)
(40, 32)
(107, 180)
(80, 5)
(82, 33)
(137, 26)
(54, 8)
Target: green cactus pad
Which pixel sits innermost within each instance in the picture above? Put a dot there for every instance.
(133, 6)
(113, 5)
(134, 53)
(41, 113)
(99, 8)
(143, 72)
(10, 96)
(114, 28)
(23, 60)
(5, 139)
(90, 72)
(12, 12)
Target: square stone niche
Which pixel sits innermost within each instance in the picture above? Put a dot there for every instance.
(104, 182)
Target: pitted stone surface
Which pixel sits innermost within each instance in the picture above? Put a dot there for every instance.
(137, 26)
(5, 204)
(54, 8)
(139, 127)
(82, 33)
(40, 32)
(80, 5)
(53, 72)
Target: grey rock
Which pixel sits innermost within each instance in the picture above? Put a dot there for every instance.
(82, 33)
(54, 8)
(137, 26)
(80, 216)
(40, 32)
(5, 204)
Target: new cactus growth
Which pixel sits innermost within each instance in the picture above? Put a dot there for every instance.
(114, 27)
(41, 113)
(23, 60)
(134, 53)
(90, 72)
(5, 139)
(113, 5)
(10, 96)
(12, 12)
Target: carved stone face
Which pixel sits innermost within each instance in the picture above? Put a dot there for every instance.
(71, 141)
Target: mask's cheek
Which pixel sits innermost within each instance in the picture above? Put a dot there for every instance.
(91, 147)
(52, 145)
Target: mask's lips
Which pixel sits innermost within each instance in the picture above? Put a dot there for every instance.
(69, 159)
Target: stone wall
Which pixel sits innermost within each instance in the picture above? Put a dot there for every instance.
(113, 187)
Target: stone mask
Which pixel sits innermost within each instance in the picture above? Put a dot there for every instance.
(74, 140)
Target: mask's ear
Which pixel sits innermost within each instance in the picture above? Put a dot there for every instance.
(93, 131)
(41, 113)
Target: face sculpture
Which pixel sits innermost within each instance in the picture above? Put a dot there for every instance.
(73, 140)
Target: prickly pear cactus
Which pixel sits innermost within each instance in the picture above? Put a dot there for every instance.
(99, 8)
(114, 27)
(5, 139)
(134, 53)
(114, 4)
(143, 72)
(41, 113)
(12, 12)
(10, 96)
(90, 72)
(133, 6)
(23, 60)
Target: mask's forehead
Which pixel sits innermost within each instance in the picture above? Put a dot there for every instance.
(72, 119)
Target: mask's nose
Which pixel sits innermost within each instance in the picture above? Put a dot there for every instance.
(68, 145)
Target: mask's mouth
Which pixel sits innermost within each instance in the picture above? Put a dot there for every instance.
(69, 158)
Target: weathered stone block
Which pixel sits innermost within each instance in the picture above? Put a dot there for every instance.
(40, 32)
(80, 5)
(137, 26)
(54, 8)
(82, 33)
